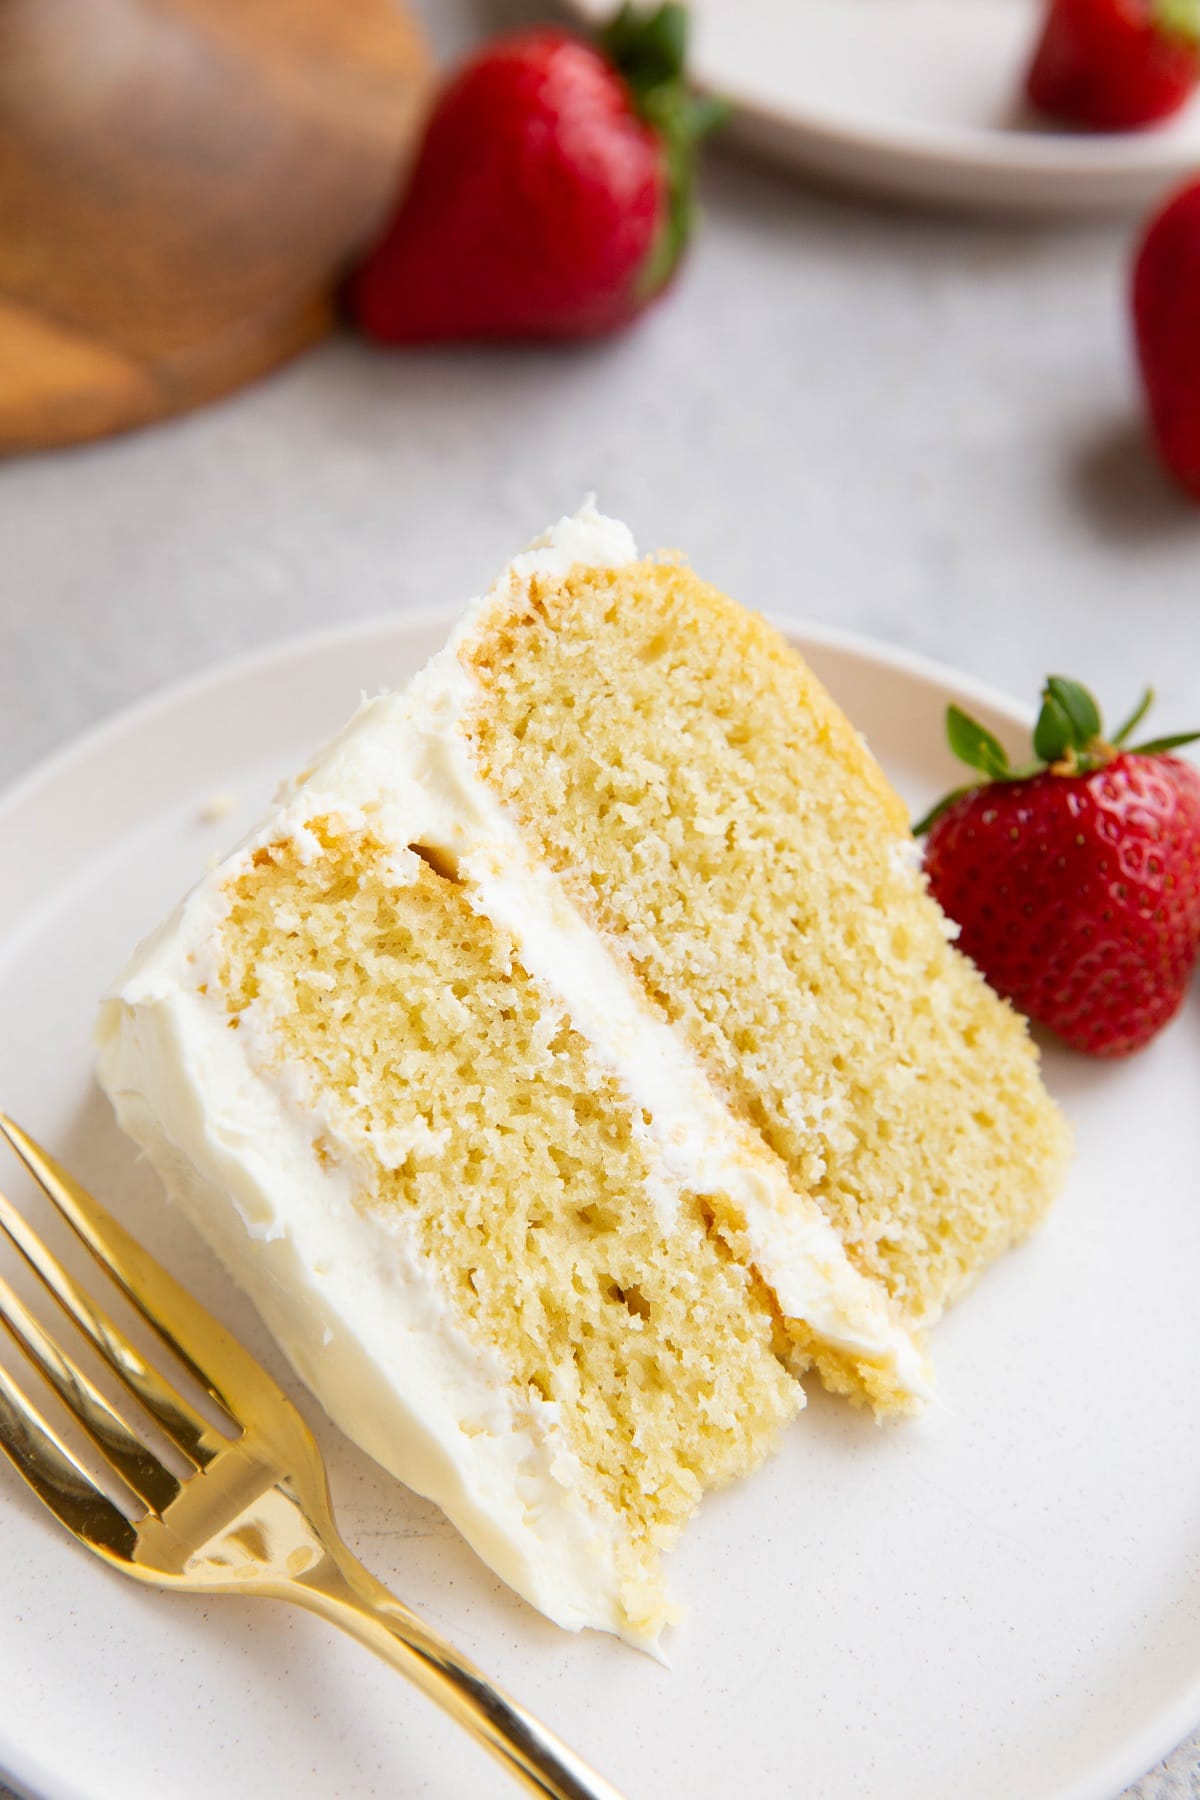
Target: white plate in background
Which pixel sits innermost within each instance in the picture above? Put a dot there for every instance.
(919, 99)
(999, 1601)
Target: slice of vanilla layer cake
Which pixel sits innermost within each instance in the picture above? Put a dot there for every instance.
(559, 1073)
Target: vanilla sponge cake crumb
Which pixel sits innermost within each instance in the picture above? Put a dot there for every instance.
(470, 1108)
(723, 826)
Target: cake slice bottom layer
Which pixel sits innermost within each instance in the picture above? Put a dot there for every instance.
(471, 1113)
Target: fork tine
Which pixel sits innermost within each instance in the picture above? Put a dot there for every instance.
(137, 1466)
(38, 1454)
(226, 1371)
(181, 1422)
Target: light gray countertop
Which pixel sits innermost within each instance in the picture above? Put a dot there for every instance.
(923, 429)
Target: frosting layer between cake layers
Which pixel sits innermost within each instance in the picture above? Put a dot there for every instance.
(341, 1287)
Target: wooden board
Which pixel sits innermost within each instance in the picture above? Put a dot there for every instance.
(181, 184)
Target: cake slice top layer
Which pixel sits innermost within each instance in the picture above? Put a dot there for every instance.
(726, 832)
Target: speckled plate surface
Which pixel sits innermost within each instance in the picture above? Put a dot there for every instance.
(1001, 1600)
(920, 99)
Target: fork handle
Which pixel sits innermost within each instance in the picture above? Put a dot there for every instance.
(340, 1590)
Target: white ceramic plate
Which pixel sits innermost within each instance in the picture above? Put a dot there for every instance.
(1000, 1601)
(920, 99)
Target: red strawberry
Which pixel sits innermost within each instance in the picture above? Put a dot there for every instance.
(552, 194)
(1166, 319)
(1075, 881)
(1110, 65)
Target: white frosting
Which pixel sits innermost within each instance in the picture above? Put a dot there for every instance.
(348, 1299)
(341, 1288)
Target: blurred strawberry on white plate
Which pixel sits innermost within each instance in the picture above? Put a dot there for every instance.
(922, 100)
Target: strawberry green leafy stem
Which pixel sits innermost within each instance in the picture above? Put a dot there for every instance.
(649, 48)
(1068, 739)
(1178, 19)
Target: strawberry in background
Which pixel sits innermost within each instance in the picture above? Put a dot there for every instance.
(1166, 322)
(552, 193)
(1114, 65)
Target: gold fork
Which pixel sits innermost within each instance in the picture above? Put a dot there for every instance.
(252, 1515)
